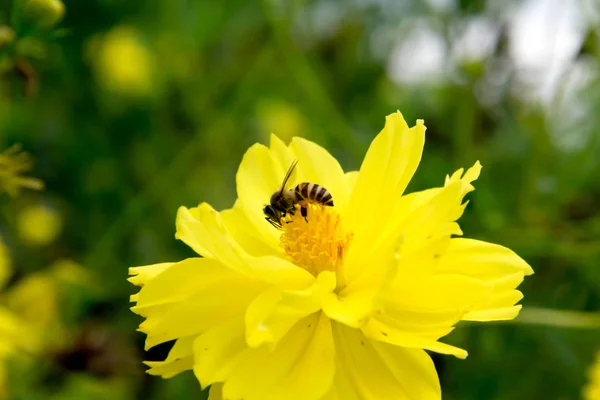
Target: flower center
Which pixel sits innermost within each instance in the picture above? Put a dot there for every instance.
(317, 243)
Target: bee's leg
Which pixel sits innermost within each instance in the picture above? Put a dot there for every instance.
(304, 212)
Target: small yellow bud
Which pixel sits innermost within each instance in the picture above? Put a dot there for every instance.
(43, 14)
(39, 225)
(7, 35)
(5, 264)
(124, 64)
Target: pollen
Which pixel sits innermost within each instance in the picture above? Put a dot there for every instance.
(317, 243)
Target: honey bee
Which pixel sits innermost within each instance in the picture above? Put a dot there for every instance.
(284, 201)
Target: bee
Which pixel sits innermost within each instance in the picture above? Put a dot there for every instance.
(284, 201)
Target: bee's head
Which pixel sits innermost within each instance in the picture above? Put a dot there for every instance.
(271, 213)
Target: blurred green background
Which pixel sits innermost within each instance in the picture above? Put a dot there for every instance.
(131, 109)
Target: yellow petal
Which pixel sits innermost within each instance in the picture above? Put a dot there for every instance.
(188, 299)
(423, 215)
(352, 309)
(493, 314)
(375, 370)
(318, 166)
(389, 165)
(141, 275)
(490, 263)
(5, 264)
(262, 170)
(218, 350)
(390, 333)
(216, 392)
(419, 230)
(15, 335)
(301, 367)
(180, 359)
(437, 293)
(253, 241)
(432, 324)
(273, 313)
(351, 177)
(204, 230)
(483, 260)
(258, 176)
(281, 153)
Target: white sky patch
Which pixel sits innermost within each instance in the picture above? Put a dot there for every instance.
(419, 57)
(569, 123)
(475, 39)
(545, 36)
(442, 5)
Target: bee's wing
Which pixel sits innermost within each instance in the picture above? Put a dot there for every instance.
(288, 174)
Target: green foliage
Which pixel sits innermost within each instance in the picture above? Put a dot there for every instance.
(140, 107)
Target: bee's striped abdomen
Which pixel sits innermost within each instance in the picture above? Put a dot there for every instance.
(313, 193)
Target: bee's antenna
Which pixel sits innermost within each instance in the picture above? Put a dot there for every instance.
(288, 174)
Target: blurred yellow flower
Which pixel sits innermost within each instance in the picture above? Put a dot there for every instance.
(5, 263)
(13, 163)
(13, 334)
(123, 64)
(39, 225)
(69, 271)
(341, 305)
(280, 116)
(7, 35)
(43, 14)
(35, 300)
(592, 390)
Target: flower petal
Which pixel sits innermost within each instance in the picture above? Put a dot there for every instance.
(418, 309)
(419, 230)
(217, 351)
(390, 332)
(141, 275)
(389, 165)
(258, 176)
(352, 310)
(273, 313)
(187, 299)
(283, 156)
(421, 216)
(482, 260)
(252, 241)
(375, 370)
(301, 367)
(490, 263)
(351, 177)
(318, 166)
(437, 293)
(204, 230)
(216, 392)
(180, 359)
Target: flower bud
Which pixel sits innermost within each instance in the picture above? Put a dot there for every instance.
(7, 35)
(42, 14)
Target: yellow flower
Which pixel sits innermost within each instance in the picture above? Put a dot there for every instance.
(5, 267)
(592, 390)
(342, 305)
(39, 225)
(124, 65)
(14, 162)
(13, 333)
(43, 14)
(277, 114)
